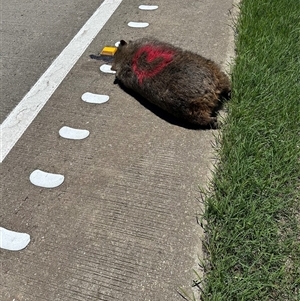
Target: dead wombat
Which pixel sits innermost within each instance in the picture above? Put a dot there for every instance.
(181, 82)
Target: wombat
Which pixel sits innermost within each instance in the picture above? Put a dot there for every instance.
(181, 82)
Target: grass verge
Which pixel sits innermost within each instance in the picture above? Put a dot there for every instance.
(253, 247)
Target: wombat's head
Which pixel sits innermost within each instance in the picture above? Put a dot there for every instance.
(121, 56)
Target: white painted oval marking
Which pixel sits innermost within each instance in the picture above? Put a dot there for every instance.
(94, 98)
(148, 7)
(13, 241)
(117, 44)
(46, 180)
(106, 69)
(138, 24)
(74, 134)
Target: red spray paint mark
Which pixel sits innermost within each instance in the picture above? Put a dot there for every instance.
(152, 53)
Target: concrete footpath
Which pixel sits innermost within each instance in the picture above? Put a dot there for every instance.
(123, 224)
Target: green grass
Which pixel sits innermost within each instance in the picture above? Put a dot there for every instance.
(252, 230)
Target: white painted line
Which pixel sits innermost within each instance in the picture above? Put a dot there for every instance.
(45, 179)
(24, 113)
(148, 7)
(117, 44)
(73, 134)
(13, 241)
(138, 24)
(106, 69)
(94, 98)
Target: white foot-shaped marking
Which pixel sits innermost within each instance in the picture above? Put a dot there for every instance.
(13, 241)
(148, 7)
(106, 68)
(94, 98)
(46, 180)
(138, 24)
(74, 134)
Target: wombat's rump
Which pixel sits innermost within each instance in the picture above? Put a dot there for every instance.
(183, 83)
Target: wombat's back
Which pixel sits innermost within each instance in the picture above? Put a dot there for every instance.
(181, 82)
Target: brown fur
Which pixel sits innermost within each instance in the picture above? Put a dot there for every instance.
(188, 86)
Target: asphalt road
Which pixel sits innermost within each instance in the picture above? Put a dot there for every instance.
(33, 34)
(123, 225)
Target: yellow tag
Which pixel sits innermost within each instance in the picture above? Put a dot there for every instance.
(109, 50)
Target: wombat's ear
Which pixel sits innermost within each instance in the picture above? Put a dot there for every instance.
(123, 43)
